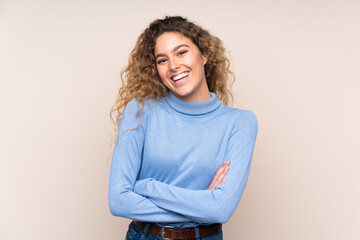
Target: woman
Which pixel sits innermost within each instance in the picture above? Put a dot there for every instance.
(176, 137)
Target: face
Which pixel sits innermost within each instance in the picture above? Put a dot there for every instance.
(180, 65)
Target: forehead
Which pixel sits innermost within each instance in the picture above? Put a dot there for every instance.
(167, 41)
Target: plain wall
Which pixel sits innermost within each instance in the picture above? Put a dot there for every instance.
(297, 66)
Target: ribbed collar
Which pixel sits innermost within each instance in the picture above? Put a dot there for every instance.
(193, 108)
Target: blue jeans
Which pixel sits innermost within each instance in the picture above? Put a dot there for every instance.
(136, 233)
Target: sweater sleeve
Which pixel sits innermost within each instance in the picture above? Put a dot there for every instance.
(125, 166)
(210, 206)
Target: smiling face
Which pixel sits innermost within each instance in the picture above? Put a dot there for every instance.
(180, 66)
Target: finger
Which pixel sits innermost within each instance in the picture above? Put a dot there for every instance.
(216, 176)
(221, 171)
(221, 177)
(222, 181)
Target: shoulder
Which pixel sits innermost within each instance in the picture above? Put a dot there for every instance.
(247, 115)
(134, 109)
(245, 120)
(239, 114)
(133, 106)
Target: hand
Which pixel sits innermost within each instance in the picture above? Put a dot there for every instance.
(219, 177)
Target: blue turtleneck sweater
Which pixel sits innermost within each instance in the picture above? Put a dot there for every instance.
(160, 171)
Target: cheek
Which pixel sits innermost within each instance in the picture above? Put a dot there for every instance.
(162, 73)
(196, 63)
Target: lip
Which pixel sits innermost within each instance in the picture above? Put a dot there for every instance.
(180, 82)
(172, 77)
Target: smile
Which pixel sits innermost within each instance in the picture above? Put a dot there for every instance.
(180, 76)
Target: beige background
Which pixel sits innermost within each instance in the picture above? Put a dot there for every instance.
(297, 66)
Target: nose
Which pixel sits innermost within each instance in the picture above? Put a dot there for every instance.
(174, 65)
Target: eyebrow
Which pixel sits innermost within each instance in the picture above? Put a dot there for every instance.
(174, 50)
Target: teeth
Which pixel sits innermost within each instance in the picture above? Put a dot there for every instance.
(180, 76)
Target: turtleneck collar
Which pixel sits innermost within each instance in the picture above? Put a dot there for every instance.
(193, 108)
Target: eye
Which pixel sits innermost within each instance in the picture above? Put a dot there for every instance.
(182, 52)
(161, 61)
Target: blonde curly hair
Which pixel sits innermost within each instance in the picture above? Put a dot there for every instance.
(140, 79)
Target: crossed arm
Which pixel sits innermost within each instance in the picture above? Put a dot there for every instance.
(218, 204)
(123, 201)
(154, 201)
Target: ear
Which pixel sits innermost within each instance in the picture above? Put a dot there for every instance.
(204, 59)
